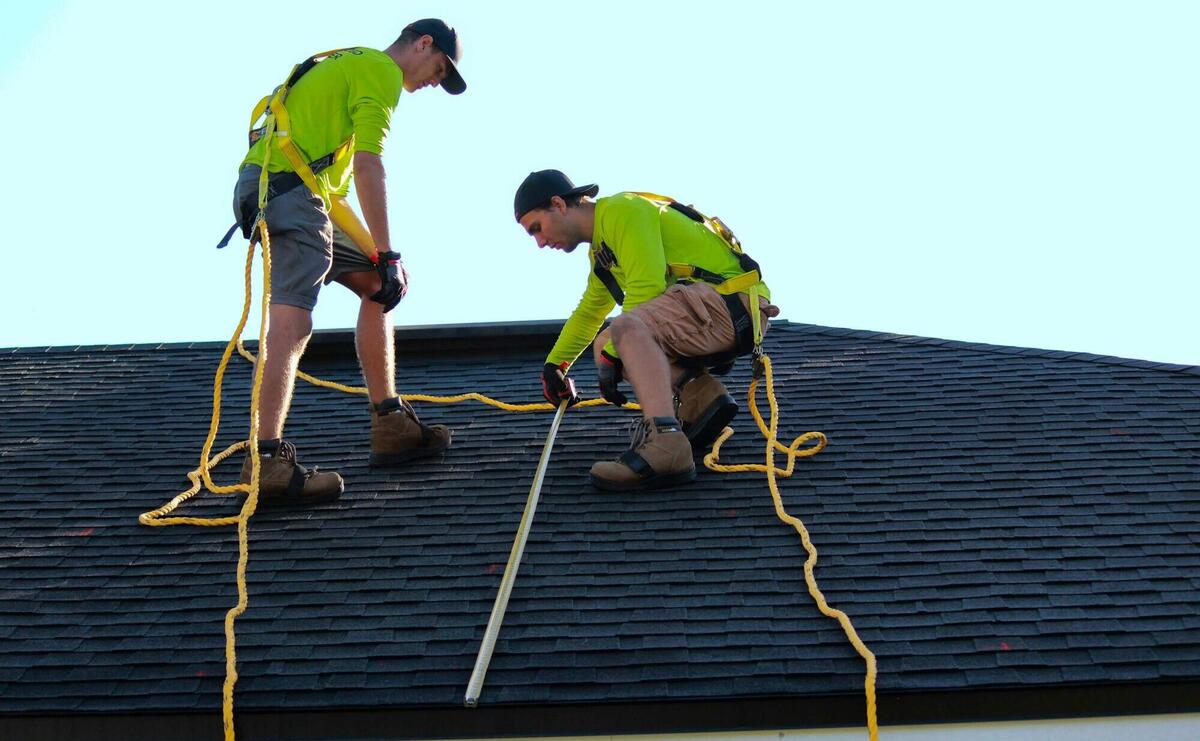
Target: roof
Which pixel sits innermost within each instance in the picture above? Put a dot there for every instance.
(1012, 531)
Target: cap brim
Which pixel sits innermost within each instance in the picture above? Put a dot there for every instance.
(453, 82)
(584, 190)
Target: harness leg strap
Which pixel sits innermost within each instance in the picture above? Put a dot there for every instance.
(756, 320)
(295, 486)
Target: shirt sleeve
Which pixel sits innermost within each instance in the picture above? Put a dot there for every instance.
(633, 232)
(583, 324)
(371, 103)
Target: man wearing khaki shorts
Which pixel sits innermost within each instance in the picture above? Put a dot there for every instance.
(667, 336)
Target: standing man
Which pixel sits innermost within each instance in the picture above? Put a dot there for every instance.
(340, 112)
(685, 287)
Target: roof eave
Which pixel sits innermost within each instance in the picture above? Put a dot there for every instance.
(706, 715)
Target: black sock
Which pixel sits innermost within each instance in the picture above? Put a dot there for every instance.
(387, 406)
(666, 424)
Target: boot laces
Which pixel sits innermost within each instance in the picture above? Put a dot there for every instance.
(639, 429)
(287, 452)
(426, 430)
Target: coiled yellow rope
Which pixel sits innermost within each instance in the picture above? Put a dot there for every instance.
(201, 476)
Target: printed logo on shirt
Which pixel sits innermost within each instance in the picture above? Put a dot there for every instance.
(605, 257)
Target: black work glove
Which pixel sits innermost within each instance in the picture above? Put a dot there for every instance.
(556, 386)
(394, 277)
(610, 377)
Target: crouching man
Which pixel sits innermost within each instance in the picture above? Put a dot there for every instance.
(686, 289)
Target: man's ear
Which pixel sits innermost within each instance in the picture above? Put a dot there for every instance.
(558, 204)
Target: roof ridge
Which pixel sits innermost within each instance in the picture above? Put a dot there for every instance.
(475, 330)
(549, 328)
(986, 347)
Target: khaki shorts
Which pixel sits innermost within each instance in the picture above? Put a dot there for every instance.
(690, 321)
(307, 250)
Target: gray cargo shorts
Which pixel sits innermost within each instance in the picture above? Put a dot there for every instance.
(307, 250)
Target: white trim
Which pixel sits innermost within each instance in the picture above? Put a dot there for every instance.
(1179, 727)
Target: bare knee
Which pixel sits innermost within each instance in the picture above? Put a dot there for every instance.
(623, 326)
(290, 324)
(365, 283)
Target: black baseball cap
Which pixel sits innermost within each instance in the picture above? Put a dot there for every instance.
(445, 39)
(537, 190)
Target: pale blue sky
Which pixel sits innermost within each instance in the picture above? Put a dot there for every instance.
(1021, 173)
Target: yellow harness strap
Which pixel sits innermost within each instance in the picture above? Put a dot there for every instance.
(745, 283)
(737, 284)
(756, 322)
(279, 127)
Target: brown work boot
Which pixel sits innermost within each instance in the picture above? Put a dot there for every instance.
(704, 408)
(398, 436)
(282, 482)
(659, 456)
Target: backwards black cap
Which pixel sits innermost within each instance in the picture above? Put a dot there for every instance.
(539, 187)
(446, 40)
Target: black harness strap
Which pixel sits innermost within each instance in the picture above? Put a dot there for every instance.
(602, 261)
(301, 70)
(610, 282)
(278, 183)
(295, 485)
(687, 211)
(743, 343)
(746, 262)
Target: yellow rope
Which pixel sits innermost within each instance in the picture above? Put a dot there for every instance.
(200, 475)
(157, 518)
(793, 452)
(456, 398)
(251, 504)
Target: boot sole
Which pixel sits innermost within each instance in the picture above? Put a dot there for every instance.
(662, 481)
(708, 427)
(301, 502)
(396, 459)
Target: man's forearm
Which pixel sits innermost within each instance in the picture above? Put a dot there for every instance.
(372, 197)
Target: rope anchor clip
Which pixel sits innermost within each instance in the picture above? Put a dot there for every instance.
(758, 368)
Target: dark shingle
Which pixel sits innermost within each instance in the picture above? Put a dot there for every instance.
(987, 516)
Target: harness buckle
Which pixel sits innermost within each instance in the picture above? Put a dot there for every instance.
(724, 232)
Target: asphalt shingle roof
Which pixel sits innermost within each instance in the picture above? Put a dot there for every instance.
(988, 516)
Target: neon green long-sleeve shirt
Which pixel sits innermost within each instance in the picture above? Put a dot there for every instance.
(636, 238)
(351, 93)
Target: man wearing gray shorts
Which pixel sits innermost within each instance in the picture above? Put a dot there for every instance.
(340, 110)
(686, 289)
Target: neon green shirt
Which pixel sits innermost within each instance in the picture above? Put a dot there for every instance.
(637, 237)
(350, 94)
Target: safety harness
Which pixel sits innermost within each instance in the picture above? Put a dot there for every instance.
(277, 127)
(747, 325)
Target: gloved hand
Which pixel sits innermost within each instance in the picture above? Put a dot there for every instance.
(556, 386)
(394, 278)
(610, 370)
